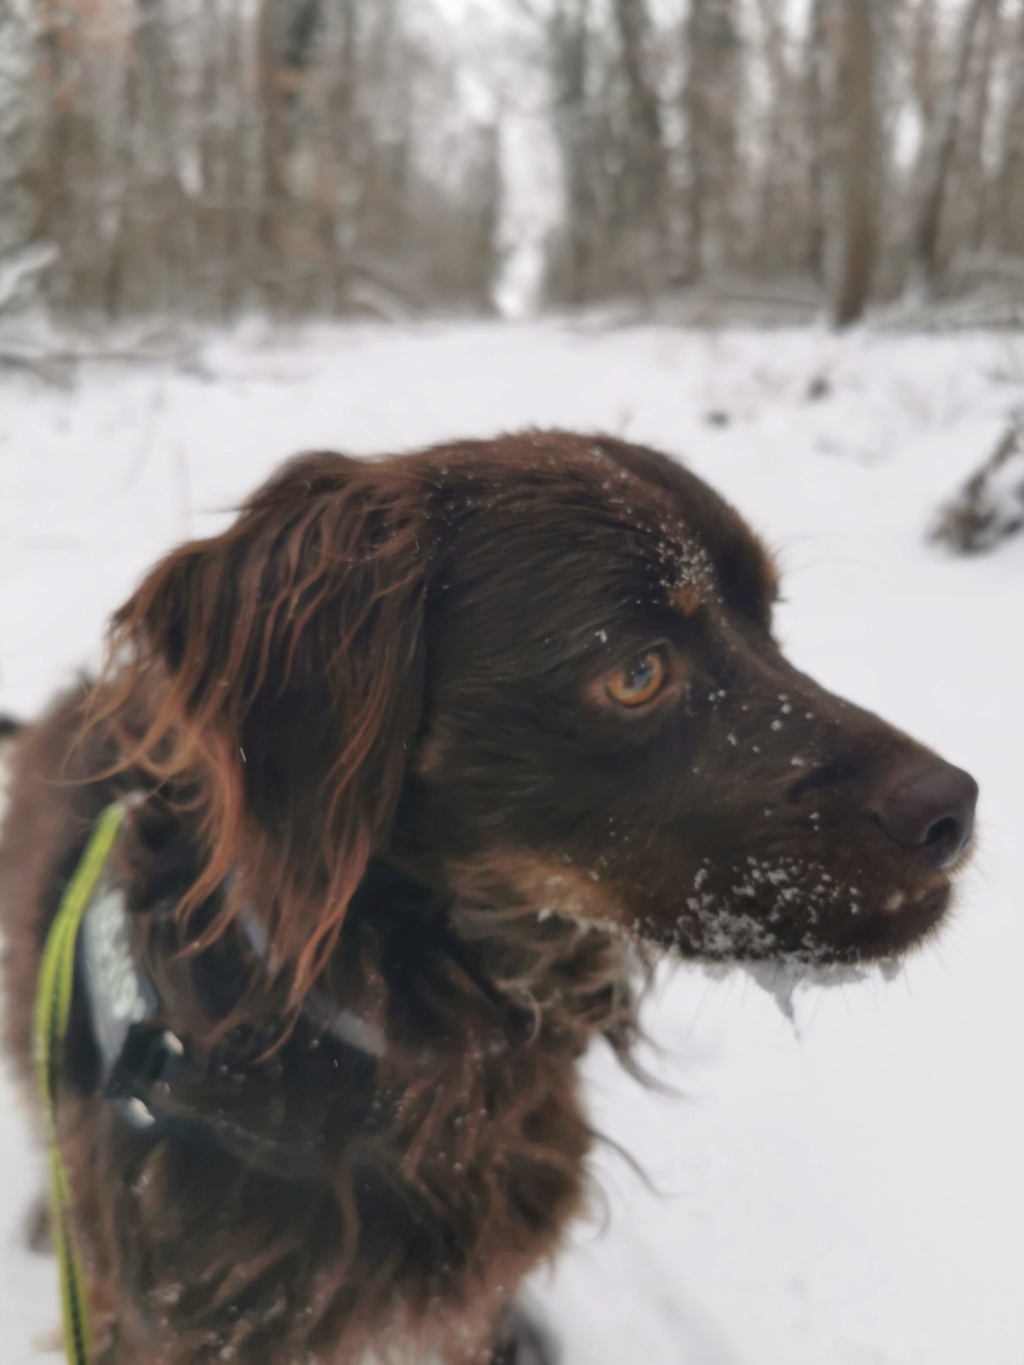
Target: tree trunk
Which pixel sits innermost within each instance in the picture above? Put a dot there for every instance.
(1011, 171)
(344, 114)
(974, 185)
(711, 99)
(644, 172)
(274, 152)
(159, 244)
(818, 106)
(19, 119)
(857, 65)
(568, 40)
(938, 152)
(783, 207)
(925, 77)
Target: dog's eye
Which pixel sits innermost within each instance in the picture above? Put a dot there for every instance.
(639, 680)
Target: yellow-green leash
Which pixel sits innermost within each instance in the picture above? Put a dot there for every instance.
(52, 1009)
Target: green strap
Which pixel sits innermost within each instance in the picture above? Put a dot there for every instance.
(52, 1010)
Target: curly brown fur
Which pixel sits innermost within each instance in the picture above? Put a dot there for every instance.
(381, 713)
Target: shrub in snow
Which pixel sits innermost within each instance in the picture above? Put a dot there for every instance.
(990, 506)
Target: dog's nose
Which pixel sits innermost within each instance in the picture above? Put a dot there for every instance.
(932, 808)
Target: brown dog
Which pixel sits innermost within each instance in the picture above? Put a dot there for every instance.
(423, 755)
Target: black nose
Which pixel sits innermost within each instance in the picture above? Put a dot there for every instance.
(932, 808)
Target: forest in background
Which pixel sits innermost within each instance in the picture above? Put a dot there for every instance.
(327, 157)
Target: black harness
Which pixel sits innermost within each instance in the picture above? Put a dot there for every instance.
(147, 1073)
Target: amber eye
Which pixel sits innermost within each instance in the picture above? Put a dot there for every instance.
(639, 680)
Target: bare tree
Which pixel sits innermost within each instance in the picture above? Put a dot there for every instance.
(347, 139)
(275, 185)
(568, 47)
(925, 60)
(643, 172)
(1010, 204)
(301, 156)
(214, 156)
(711, 97)
(973, 181)
(939, 145)
(857, 67)
(818, 102)
(19, 117)
(793, 143)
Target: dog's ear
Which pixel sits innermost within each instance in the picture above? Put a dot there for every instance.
(282, 662)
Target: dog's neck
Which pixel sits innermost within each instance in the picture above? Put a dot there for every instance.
(541, 971)
(469, 956)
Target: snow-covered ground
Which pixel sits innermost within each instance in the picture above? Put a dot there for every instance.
(846, 1193)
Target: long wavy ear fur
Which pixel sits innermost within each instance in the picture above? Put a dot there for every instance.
(281, 667)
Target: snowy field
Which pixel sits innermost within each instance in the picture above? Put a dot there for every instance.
(845, 1192)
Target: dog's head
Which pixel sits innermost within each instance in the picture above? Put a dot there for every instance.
(549, 659)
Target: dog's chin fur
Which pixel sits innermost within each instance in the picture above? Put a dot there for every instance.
(375, 718)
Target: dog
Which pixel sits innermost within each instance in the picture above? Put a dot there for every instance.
(419, 762)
